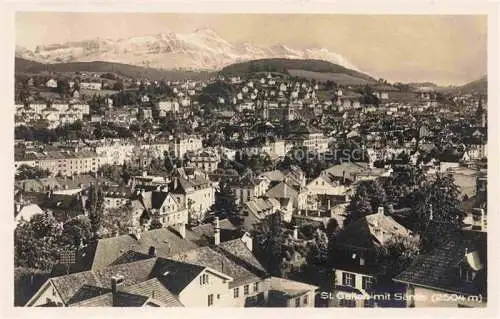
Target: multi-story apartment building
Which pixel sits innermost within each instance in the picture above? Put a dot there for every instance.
(65, 163)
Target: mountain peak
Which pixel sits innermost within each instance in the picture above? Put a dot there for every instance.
(201, 49)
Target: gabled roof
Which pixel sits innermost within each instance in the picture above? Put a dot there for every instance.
(282, 190)
(259, 206)
(88, 284)
(370, 231)
(150, 279)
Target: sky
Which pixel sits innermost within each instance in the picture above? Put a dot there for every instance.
(444, 49)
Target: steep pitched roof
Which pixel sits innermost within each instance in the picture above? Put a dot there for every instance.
(258, 205)
(368, 232)
(282, 190)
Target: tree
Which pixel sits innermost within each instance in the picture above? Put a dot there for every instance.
(113, 172)
(318, 249)
(95, 203)
(63, 86)
(270, 238)
(118, 86)
(437, 209)
(376, 194)
(77, 231)
(359, 206)
(225, 200)
(29, 172)
(37, 242)
(396, 255)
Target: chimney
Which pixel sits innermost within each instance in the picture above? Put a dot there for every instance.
(217, 232)
(116, 281)
(381, 211)
(295, 232)
(152, 251)
(390, 208)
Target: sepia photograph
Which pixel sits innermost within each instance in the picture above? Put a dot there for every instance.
(250, 160)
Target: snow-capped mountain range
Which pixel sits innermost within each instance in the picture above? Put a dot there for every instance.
(202, 49)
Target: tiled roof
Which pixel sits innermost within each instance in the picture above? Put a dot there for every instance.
(156, 278)
(212, 258)
(439, 268)
(259, 205)
(207, 230)
(156, 290)
(238, 249)
(282, 190)
(165, 242)
(367, 232)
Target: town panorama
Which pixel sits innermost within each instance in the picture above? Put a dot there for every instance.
(282, 178)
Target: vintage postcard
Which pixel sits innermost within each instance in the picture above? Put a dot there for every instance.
(246, 159)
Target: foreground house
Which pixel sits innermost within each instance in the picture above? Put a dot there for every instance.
(456, 271)
(355, 263)
(225, 275)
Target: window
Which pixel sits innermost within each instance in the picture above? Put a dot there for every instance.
(348, 279)
(297, 302)
(236, 292)
(256, 287)
(246, 289)
(204, 279)
(210, 299)
(306, 299)
(218, 296)
(367, 282)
